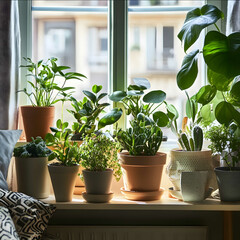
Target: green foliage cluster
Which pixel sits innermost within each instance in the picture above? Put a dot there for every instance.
(87, 112)
(141, 139)
(36, 148)
(225, 140)
(65, 151)
(220, 98)
(99, 152)
(45, 89)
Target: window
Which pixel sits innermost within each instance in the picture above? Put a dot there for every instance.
(77, 32)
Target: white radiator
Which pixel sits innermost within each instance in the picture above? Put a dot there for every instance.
(127, 233)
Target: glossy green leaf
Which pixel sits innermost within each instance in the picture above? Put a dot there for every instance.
(142, 117)
(172, 111)
(102, 95)
(221, 82)
(224, 113)
(117, 96)
(206, 94)
(189, 70)
(110, 118)
(156, 96)
(143, 83)
(59, 123)
(90, 95)
(191, 108)
(196, 20)
(207, 114)
(222, 53)
(161, 118)
(96, 88)
(135, 93)
(235, 89)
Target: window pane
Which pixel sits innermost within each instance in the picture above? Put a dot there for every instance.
(155, 52)
(78, 40)
(165, 2)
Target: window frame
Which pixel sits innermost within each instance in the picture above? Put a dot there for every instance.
(118, 37)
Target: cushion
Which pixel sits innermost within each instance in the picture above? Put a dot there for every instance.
(7, 228)
(8, 139)
(29, 215)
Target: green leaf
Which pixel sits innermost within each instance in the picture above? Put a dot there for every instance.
(161, 118)
(191, 108)
(59, 123)
(65, 125)
(172, 111)
(90, 95)
(222, 53)
(143, 83)
(96, 88)
(189, 70)
(207, 114)
(60, 68)
(102, 95)
(117, 96)
(224, 113)
(221, 82)
(206, 94)
(235, 89)
(142, 117)
(156, 96)
(110, 118)
(196, 20)
(135, 93)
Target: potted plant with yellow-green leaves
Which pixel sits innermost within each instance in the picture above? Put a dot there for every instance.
(64, 170)
(142, 164)
(220, 98)
(31, 168)
(99, 157)
(45, 92)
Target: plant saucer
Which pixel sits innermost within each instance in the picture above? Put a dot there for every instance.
(97, 198)
(142, 196)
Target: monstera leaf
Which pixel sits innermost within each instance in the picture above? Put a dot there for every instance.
(222, 53)
(189, 70)
(196, 21)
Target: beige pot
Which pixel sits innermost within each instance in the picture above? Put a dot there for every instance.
(33, 177)
(63, 181)
(189, 161)
(37, 121)
(142, 173)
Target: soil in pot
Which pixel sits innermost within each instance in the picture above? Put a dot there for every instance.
(63, 181)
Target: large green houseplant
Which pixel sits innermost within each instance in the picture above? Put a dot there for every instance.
(142, 164)
(99, 157)
(45, 90)
(220, 98)
(31, 168)
(63, 171)
(87, 113)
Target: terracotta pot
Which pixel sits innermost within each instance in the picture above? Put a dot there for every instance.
(63, 181)
(142, 173)
(98, 182)
(189, 161)
(33, 177)
(37, 121)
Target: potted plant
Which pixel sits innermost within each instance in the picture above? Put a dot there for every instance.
(226, 142)
(31, 168)
(142, 164)
(44, 93)
(100, 161)
(63, 172)
(87, 113)
(190, 156)
(220, 98)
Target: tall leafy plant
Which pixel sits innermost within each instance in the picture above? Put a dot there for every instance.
(221, 54)
(45, 91)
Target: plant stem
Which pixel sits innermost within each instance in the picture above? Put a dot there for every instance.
(217, 27)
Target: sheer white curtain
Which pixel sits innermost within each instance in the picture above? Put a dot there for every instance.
(9, 62)
(233, 16)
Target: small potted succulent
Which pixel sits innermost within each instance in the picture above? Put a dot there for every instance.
(190, 156)
(45, 92)
(64, 170)
(99, 157)
(225, 140)
(142, 164)
(31, 168)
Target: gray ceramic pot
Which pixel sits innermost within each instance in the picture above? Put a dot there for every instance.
(63, 181)
(228, 183)
(33, 177)
(98, 182)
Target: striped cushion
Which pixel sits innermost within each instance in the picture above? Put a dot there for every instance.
(29, 215)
